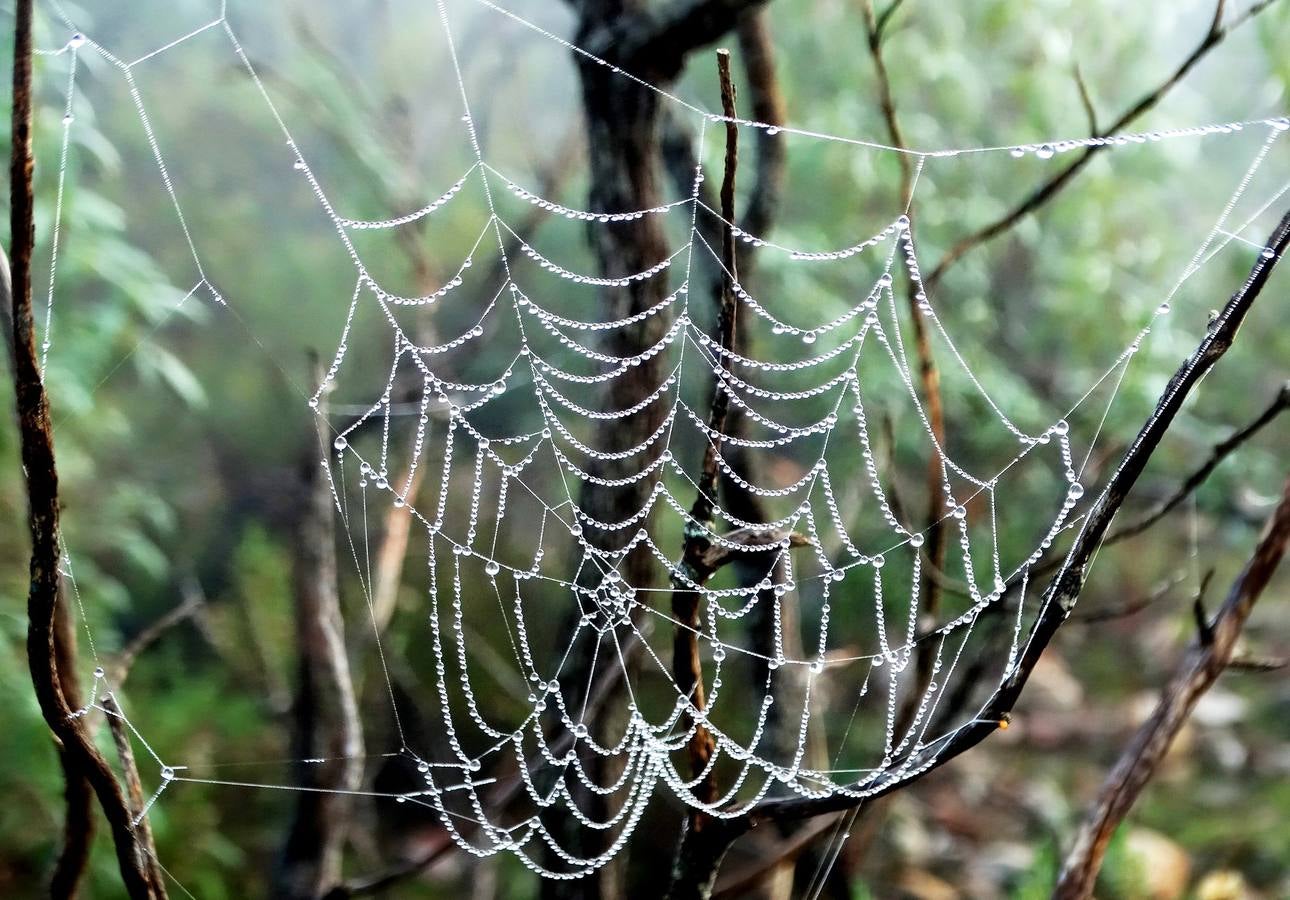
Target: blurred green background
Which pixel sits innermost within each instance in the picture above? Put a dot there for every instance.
(180, 426)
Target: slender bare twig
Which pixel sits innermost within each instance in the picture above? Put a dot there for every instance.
(1086, 100)
(1193, 677)
(192, 604)
(1214, 36)
(134, 787)
(37, 441)
(687, 667)
(741, 883)
(935, 547)
(1220, 452)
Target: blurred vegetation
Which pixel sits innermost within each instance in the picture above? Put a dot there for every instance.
(179, 426)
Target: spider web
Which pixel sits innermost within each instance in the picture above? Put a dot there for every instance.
(505, 457)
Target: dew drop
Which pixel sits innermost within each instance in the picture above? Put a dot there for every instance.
(340, 443)
(1044, 151)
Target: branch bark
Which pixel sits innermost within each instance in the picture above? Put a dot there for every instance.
(687, 667)
(37, 443)
(1195, 674)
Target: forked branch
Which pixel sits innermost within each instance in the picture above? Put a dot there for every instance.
(1195, 674)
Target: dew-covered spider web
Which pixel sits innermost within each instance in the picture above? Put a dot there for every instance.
(494, 467)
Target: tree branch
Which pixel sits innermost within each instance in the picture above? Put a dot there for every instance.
(1193, 481)
(929, 377)
(1193, 677)
(192, 604)
(134, 789)
(687, 667)
(36, 436)
(1214, 36)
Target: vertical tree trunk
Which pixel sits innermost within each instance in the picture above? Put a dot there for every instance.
(622, 123)
(326, 723)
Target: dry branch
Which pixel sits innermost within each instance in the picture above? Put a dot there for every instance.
(1214, 36)
(1193, 677)
(687, 667)
(37, 442)
(134, 787)
(933, 525)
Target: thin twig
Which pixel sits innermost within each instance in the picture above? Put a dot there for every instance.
(1193, 677)
(133, 785)
(194, 601)
(1086, 100)
(1050, 188)
(933, 527)
(687, 667)
(1220, 452)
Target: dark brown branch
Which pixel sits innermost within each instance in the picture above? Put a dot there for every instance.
(325, 711)
(36, 436)
(1193, 677)
(743, 882)
(766, 104)
(687, 667)
(1124, 610)
(1214, 36)
(134, 787)
(719, 554)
